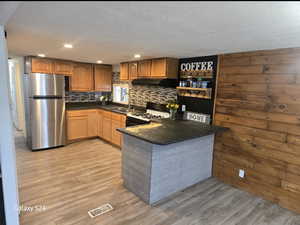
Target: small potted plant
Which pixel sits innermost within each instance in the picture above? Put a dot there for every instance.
(173, 106)
(103, 99)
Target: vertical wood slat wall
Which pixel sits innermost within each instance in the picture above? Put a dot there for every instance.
(258, 98)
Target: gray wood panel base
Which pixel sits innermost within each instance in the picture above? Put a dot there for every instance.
(154, 172)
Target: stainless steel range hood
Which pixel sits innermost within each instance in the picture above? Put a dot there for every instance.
(170, 83)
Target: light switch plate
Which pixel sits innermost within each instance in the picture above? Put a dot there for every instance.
(241, 173)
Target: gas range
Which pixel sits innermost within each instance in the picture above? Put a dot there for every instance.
(153, 112)
(149, 115)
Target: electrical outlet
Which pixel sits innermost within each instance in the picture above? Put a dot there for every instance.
(183, 108)
(242, 173)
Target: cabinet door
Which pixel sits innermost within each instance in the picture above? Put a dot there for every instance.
(133, 70)
(100, 124)
(106, 128)
(77, 127)
(103, 77)
(144, 68)
(63, 67)
(123, 125)
(93, 123)
(115, 135)
(124, 71)
(39, 65)
(159, 67)
(82, 78)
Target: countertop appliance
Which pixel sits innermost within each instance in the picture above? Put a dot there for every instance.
(154, 111)
(45, 110)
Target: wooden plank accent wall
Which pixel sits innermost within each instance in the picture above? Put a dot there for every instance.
(258, 98)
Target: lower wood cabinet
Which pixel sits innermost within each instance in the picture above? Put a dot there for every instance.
(77, 127)
(82, 124)
(106, 129)
(100, 123)
(108, 122)
(95, 123)
(115, 135)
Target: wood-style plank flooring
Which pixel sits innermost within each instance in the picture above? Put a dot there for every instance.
(71, 180)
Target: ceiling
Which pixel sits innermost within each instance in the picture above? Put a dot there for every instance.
(115, 31)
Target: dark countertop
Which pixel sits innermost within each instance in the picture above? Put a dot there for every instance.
(94, 105)
(169, 132)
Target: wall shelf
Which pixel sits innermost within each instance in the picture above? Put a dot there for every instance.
(195, 92)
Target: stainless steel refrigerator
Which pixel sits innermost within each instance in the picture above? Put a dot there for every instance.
(45, 110)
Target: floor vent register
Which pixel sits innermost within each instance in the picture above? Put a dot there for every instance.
(100, 210)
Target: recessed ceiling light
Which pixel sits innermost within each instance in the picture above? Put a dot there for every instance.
(41, 55)
(137, 56)
(99, 61)
(68, 46)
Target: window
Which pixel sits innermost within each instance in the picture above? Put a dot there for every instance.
(120, 93)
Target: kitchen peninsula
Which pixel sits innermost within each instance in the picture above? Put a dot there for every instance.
(159, 159)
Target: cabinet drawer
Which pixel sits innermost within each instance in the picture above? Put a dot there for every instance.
(85, 112)
(116, 116)
(106, 114)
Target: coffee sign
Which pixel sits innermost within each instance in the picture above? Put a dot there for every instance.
(197, 66)
(204, 66)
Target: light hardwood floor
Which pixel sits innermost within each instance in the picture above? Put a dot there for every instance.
(71, 180)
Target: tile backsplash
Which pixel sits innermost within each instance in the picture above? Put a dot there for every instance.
(139, 95)
(84, 96)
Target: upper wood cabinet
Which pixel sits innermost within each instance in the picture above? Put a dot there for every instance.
(144, 68)
(103, 77)
(164, 67)
(152, 68)
(133, 70)
(40, 65)
(82, 78)
(124, 71)
(63, 67)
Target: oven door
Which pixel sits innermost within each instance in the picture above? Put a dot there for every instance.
(131, 121)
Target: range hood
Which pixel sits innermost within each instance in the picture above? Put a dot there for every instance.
(170, 83)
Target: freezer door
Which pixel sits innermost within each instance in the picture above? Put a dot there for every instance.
(47, 123)
(46, 85)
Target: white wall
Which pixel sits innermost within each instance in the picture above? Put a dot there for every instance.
(18, 62)
(7, 145)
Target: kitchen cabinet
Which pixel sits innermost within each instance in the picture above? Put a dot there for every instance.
(82, 124)
(151, 68)
(133, 70)
(117, 121)
(82, 78)
(93, 123)
(124, 71)
(110, 122)
(106, 128)
(63, 67)
(41, 65)
(103, 77)
(164, 68)
(115, 135)
(144, 68)
(77, 127)
(100, 123)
